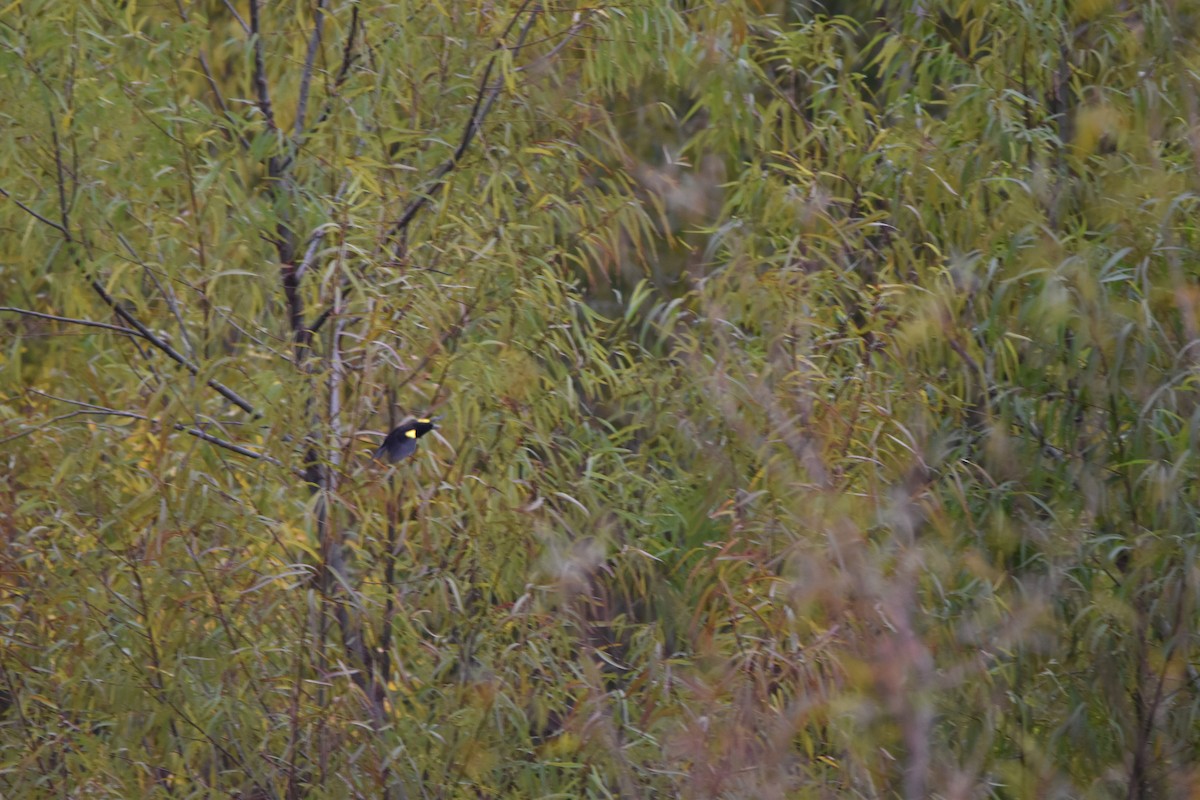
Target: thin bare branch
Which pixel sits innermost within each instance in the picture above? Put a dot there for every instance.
(577, 25)
(320, 321)
(310, 254)
(88, 322)
(92, 408)
(199, 434)
(33, 213)
(231, 132)
(232, 322)
(343, 72)
(141, 330)
(260, 68)
(41, 426)
(236, 15)
(165, 291)
(292, 274)
(314, 44)
(220, 100)
(485, 98)
(171, 352)
(63, 208)
(64, 227)
(347, 50)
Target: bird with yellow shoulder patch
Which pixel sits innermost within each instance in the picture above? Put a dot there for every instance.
(402, 441)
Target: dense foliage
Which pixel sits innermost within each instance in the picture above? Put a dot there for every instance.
(818, 387)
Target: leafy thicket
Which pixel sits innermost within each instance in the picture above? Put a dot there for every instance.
(818, 385)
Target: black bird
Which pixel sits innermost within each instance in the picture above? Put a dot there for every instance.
(402, 441)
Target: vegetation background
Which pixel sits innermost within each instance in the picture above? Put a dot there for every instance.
(819, 385)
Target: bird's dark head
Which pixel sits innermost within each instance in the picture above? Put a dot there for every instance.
(424, 425)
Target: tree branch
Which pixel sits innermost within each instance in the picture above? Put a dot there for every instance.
(314, 44)
(89, 323)
(260, 68)
(577, 25)
(93, 409)
(64, 211)
(168, 296)
(343, 72)
(231, 131)
(32, 213)
(292, 274)
(485, 98)
(172, 353)
(236, 15)
(145, 333)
